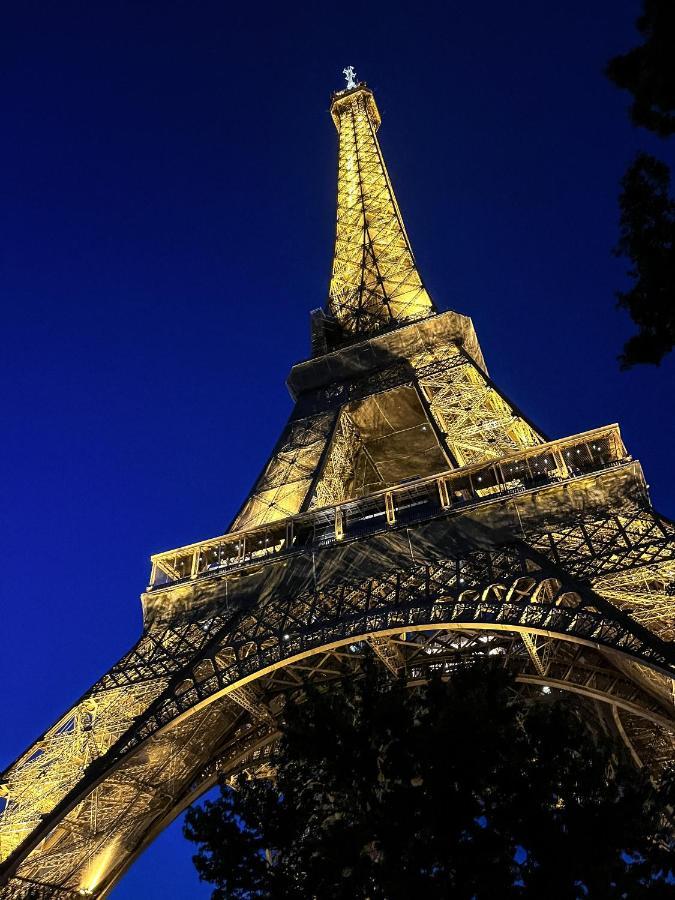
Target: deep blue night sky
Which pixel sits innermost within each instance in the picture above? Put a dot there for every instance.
(167, 202)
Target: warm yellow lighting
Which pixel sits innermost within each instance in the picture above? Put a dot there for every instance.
(97, 869)
(403, 447)
(381, 286)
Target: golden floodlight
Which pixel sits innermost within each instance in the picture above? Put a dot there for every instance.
(409, 512)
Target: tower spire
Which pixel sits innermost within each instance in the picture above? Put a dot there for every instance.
(405, 496)
(375, 282)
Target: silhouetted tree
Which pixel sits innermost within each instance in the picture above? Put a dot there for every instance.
(648, 71)
(647, 210)
(462, 789)
(648, 241)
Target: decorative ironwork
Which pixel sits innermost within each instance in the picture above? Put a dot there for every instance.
(477, 421)
(282, 487)
(410, 513)
(375, 281)
(334, 484)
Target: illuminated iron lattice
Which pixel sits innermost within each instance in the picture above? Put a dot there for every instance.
(375, 280)
(409, 513)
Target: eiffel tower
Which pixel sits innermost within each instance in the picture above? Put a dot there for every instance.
(410, 513)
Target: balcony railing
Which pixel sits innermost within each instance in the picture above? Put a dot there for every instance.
(407, 503)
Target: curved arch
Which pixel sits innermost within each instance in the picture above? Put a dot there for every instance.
(255, 756)
(508, 588)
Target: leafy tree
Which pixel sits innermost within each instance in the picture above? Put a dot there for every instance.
(462, 789)
(647, 210)
(648, 71)
(648, 241)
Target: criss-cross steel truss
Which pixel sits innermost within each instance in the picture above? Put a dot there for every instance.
(409, 513)
(375, 280)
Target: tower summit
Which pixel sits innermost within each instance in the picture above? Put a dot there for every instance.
(409, 513)
(375, 282)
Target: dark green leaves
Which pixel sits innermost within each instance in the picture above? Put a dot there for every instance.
(461, 789)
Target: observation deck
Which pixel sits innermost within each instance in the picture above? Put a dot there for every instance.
(411, 502)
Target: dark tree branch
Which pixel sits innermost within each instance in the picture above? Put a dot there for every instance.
(647, 239)
(648, 71)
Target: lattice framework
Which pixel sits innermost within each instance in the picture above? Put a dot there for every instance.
(546, 556)
(375, 281)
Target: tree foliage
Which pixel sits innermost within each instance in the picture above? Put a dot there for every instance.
(648, 241)
(460, 789)
(648, 71)
(647, 210)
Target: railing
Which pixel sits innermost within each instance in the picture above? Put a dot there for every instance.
(409, 502)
